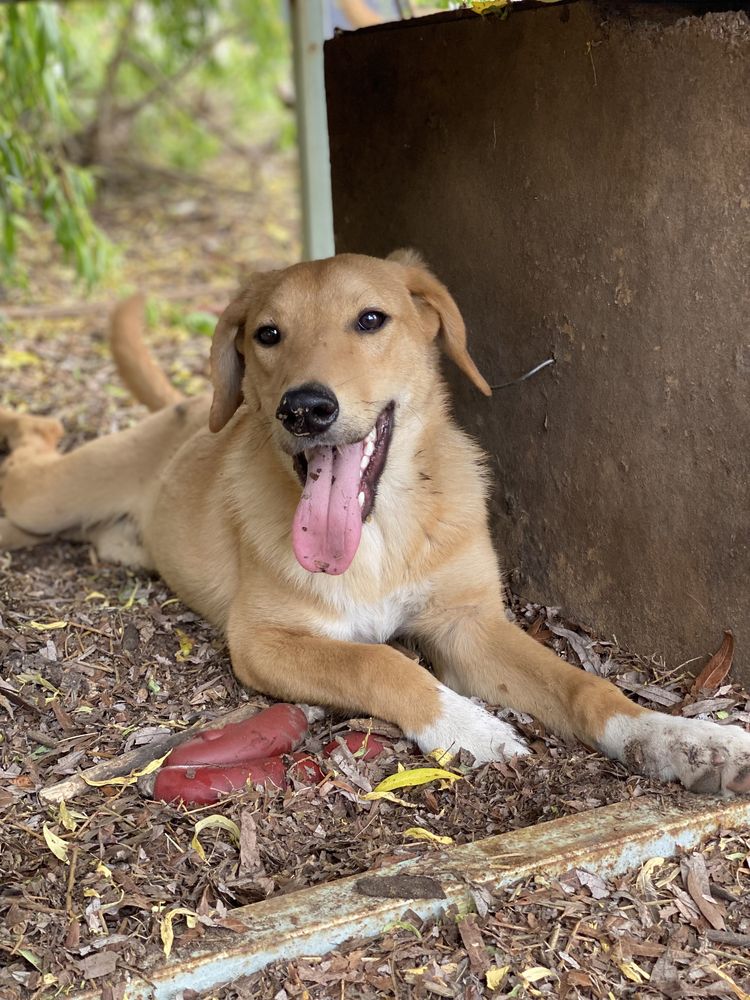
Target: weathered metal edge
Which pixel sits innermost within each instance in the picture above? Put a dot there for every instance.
(606, 841)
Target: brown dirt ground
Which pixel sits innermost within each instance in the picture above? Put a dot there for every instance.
(125, 663)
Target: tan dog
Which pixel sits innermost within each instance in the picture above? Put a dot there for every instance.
(333, 504)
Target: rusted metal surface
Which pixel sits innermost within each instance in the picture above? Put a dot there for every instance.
(604, 841)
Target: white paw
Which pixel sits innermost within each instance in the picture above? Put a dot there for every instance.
(703, 756)
(464, 725)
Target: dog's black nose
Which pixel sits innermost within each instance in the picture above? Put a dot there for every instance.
(309, 409)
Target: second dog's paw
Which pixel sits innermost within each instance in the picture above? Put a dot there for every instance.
(703, 756)
(464, 725)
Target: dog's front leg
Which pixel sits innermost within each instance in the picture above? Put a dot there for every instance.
(373, 679)
(477, 651)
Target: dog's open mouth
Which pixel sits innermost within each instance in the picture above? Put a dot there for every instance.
(339, 486)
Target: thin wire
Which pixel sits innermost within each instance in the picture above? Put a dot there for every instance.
(522, 378)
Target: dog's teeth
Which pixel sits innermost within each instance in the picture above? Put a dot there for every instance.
(361, 499)
(371, 436)
(364, 463)
(369, 448)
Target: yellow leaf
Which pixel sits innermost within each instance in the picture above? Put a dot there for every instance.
(101, 869)
(131, 600)
(13, 358)
(216, 819)
(46, 626)
(727, 979)
(31, 958)
(643, 880)
(443, 757)
(535, 973)
(418, 971)
(95, 595)
(414, 776)
(65, 818)
(56, 844)
(186, 646)
(91, 894)
(278, 233)
(166, 930)
(419, 833)
(128, 779)
(390, 797)
(633, 972)
(495, 976)
(24, 678)
(489, 6)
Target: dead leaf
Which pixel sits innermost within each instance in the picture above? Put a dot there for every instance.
(420, 833)
(633, 972)
(717, 667)
(215, 819)
(56, 844)
(186, 646)
(249, 851)
(596, 885)
(536, 973)
(495, 976)
(735, 987)
(413, 776)
(166, 931)
(538, 629)
(473, 941)
(582, 647)
(100, 964)
(128, 779)
(700, 891)
(643, 881)
(65, 817)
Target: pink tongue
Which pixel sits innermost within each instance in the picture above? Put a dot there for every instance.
(328, 522)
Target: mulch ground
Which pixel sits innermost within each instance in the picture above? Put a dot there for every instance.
(676, 929)
(96, 659)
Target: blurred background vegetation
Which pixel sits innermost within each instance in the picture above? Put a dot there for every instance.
(95, 90)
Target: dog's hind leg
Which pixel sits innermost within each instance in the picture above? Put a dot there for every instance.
(12, 537)
(43, 492)
(28, 438)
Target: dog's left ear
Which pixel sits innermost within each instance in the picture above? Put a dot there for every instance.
(450, 327)
(227, 364)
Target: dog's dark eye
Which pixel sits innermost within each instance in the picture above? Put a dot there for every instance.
(267, 336)
(371, 320)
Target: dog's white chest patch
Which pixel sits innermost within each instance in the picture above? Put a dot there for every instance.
(374, 622)
(349, 617)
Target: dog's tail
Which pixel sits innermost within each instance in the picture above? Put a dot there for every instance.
(137, 367)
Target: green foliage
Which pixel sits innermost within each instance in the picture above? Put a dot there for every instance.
(36, 179)
(170, 82)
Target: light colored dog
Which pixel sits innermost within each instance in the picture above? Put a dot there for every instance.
(323, 502)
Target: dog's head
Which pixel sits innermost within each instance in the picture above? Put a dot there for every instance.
(329, 352)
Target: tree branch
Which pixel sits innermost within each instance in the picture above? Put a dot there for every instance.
(167, 83)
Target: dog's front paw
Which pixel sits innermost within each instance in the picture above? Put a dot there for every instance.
(703, 756)
(464, 725)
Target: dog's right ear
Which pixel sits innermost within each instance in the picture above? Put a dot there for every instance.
(449, 329)
(227, 364)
